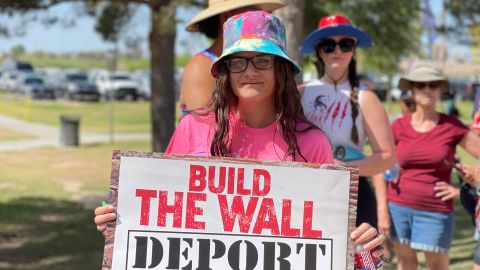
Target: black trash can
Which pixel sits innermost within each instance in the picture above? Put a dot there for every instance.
(69, 125)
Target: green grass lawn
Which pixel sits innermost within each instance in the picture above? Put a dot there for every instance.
(46, 202)
(95, 61)
(95, 116)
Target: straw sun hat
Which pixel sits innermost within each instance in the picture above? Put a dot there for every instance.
(423, 73)
(216, 7)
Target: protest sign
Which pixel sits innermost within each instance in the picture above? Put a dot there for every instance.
(190, 212)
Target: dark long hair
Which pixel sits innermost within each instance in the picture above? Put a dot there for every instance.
(210, 26)
(287, 107)
(354, 84)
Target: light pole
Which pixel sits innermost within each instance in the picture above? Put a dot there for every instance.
(112, 66)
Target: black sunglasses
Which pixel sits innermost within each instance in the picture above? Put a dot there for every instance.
(239, 64)
(422, 85)
(328, 45)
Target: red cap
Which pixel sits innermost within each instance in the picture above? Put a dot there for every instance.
(333, 20)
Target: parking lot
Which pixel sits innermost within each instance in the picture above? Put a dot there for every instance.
(94, 85)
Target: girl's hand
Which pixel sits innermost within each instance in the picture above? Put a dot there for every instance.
(369, 238)
(339, 162)
(445, 191)
(104, 214)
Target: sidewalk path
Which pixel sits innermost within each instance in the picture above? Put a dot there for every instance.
(50, 136)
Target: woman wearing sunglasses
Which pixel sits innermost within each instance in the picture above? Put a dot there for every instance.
(421, 201)
(255, 111)
(349, 116)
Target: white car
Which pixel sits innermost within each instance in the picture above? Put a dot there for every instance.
(118, 85)
(143, 78)
(7, 80)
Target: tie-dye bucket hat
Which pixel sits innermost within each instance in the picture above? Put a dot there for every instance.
(254, 31)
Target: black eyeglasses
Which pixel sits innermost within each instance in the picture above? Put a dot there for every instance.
(328, 45)
(239, 64)
(422, 85)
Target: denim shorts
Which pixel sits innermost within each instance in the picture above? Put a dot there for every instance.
(421, 230)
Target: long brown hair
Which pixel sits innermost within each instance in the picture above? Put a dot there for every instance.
(287, 107)
(354, 84)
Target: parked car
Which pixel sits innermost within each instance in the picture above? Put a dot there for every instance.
(74, 85)
(29, 84)
(117, 84)
(7, 80)
(144, 80)
(16, 65)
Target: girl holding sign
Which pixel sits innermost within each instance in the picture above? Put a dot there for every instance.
(197, 83)
(255, 110)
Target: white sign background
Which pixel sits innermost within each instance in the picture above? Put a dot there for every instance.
(328, 189)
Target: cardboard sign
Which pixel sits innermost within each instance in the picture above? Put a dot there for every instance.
(186, 212)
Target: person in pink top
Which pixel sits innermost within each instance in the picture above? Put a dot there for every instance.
(255, 112)
(420, 201)
(197, 84)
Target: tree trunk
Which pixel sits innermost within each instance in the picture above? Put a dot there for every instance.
(292, 16)
(162, 50)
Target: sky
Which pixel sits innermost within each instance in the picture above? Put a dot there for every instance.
(82, 36)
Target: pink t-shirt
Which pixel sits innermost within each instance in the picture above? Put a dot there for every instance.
(421, 158)
(194, 135)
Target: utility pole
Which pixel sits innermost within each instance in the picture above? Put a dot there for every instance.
(112, 67)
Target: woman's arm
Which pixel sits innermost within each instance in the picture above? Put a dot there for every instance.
(197, 83)
(379, 134)
(471, 143)
(382, 205)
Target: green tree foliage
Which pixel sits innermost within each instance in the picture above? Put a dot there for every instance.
(112, 20)
(393, 26)
(465, 11)
(17, 50)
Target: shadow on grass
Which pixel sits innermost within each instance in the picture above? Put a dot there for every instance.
(41, 233)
